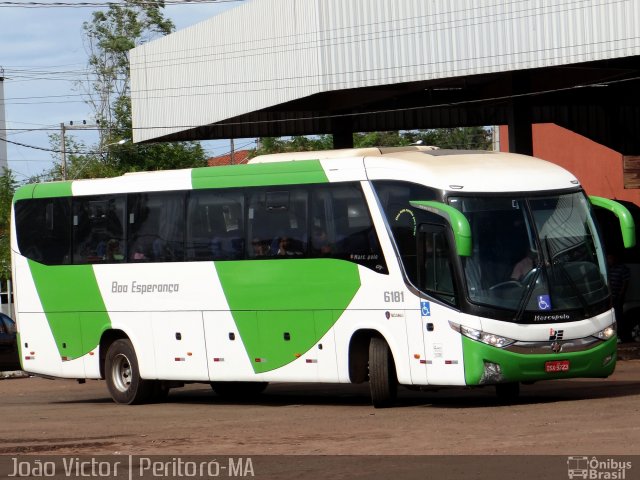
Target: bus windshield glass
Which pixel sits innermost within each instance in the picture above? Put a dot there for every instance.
(533, 254)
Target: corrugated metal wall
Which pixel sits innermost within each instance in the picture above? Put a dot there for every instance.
(267, 52)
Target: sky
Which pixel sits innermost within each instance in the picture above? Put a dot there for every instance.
(43, 54)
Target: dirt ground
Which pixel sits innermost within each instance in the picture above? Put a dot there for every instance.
(561, 417)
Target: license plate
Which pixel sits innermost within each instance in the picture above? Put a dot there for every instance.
(556, 366)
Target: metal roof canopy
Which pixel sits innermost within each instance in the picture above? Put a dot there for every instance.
(301, 67)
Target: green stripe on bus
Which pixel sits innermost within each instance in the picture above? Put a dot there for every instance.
(23, 193)
(43, 190)
(53, 189)
(282, 308)
(259, 174)
(73, 304)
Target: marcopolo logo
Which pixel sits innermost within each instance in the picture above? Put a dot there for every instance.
(555, 334)
(597, 469)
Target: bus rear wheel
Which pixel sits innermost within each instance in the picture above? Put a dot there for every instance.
(383, 383)
(123, 375)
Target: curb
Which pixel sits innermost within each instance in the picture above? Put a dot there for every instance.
(13, 374)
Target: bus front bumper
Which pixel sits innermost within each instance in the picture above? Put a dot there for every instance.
(484, 364)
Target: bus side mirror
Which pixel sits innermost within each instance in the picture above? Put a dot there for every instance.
(627, 225)
(456, 219)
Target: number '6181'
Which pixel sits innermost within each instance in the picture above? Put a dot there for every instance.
(394, 297)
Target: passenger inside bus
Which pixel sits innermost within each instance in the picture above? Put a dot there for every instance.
(524, 266)
(260, 247)
(320, 244)
(113, 252)
(288, 246)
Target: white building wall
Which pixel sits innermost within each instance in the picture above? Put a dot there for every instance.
(267, 52)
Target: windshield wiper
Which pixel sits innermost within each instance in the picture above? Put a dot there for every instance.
(532, 281)
(529, 291)
(581, 299)
(555, 262)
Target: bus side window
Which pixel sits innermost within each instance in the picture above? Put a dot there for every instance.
(156, 226)
(277, 223)
(215, 225)
(98, 229)
(43, 229)
(342, 227)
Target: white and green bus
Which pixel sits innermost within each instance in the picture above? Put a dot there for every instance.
(406, 266)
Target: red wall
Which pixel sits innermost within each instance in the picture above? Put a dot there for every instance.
(598, 168)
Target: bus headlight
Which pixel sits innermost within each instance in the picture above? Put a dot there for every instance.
(484, 337)
(607, 333)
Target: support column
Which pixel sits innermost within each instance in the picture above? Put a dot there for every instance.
(520, 116)
(342, 131)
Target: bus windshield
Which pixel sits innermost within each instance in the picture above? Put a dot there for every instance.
(533, 254)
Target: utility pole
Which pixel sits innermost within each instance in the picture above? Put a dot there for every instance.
(4, 163)
(63, 150)
(232, 152)
(63, 146)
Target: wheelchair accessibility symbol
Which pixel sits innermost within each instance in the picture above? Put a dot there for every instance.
(425, 309)
(544, 302)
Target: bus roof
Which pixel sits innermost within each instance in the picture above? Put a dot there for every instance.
(472, 171)
(464, 170)
(340, 153)
(458, 170)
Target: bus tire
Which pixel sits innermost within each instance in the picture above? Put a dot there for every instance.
(383, 383)
(239, 390)
(508, 392)
(633, 331)
(123, 375)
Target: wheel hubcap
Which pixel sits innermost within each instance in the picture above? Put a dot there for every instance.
(121, 372)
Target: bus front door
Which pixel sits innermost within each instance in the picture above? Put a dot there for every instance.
(416, 342)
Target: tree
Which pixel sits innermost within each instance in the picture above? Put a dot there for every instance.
(81, 161)
(7, 189)
(108, 37)
(380, 139)
(269, 145)
(462, 138)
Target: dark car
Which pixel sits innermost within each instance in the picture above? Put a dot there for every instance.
(9, 357)
(629, 325)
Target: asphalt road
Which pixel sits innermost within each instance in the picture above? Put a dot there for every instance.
(562, 418)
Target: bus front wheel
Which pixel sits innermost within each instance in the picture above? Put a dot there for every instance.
(123, 375)
(383, 383)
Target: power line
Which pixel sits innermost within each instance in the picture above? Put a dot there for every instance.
(358, 114)
(265, 87)
(35, 147)
(10, 101)
(394, 32)
(34, 4)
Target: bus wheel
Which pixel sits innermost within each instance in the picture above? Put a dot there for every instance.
(508, 392)
(383, 383)
(634, 331)
(123, 376)
(239, 390)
